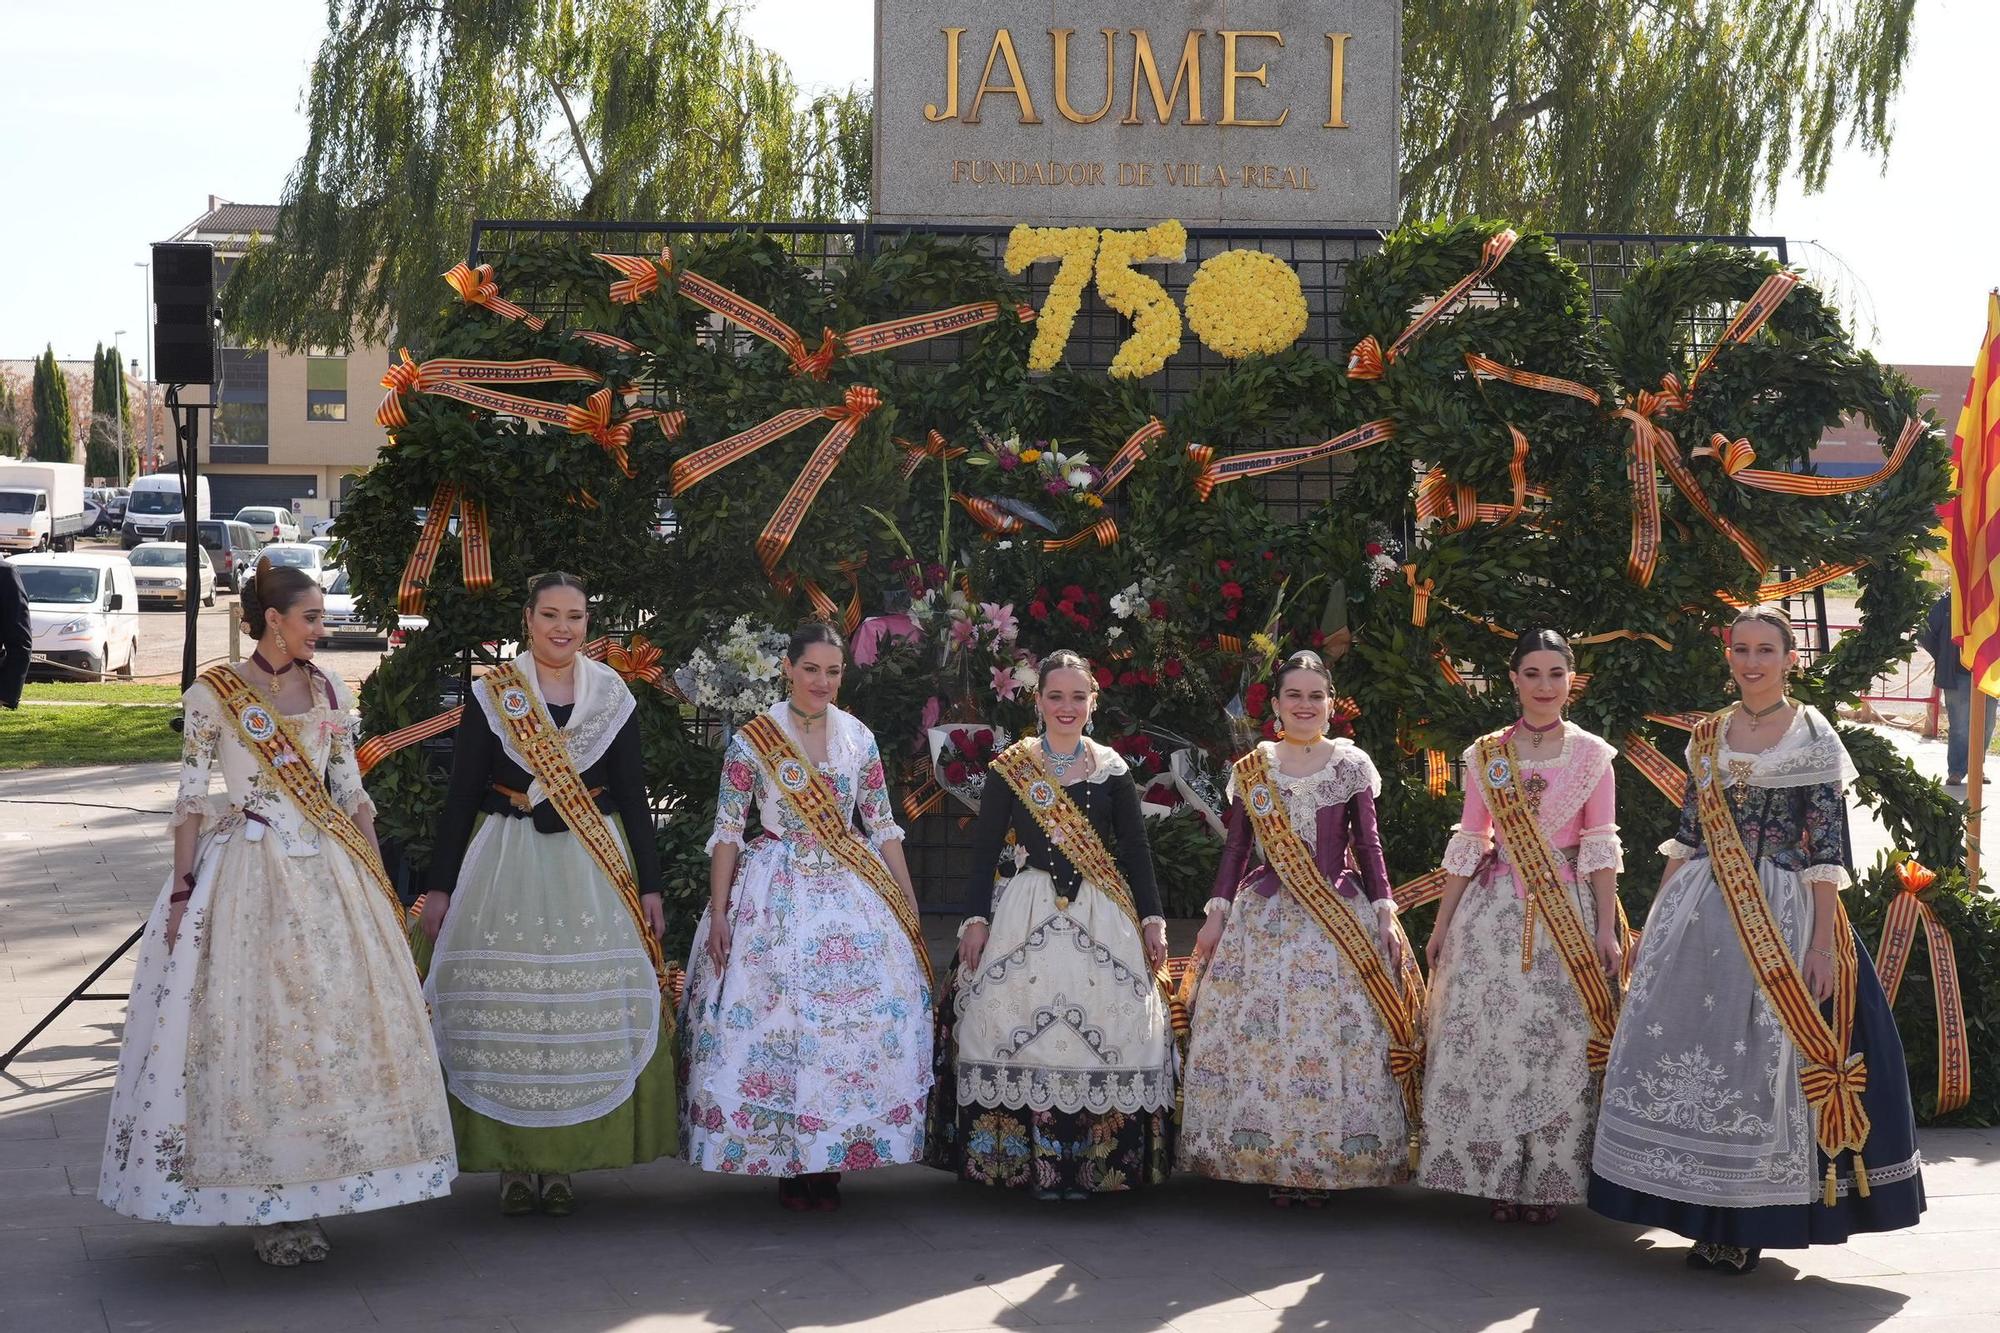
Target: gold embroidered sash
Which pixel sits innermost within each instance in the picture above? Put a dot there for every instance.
(1399, 1000)
(817, 804)
(537, 739)
(269, 736)
(1074, 836)
(1540, 869)
(1833, 1079)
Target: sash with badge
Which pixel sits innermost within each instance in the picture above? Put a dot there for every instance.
(1539, 867)
(1398, 1000)
(537, 739)
(817, 804)
(268, 735)
(1063, 821)
(1832, 1078)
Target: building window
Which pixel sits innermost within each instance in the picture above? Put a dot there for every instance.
(243, 413)
(326, 388)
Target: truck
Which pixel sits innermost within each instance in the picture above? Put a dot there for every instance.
(41, 505)
(155, 501)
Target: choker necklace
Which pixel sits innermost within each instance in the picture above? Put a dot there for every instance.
(1539, 731)
(1758, 715)
(1286, 737)
(1061, 763)
(257, 656)
(806, 719)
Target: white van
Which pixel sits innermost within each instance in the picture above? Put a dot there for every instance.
(84, 611)
(155, 502)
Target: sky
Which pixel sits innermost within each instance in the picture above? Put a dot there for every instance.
(119, 128)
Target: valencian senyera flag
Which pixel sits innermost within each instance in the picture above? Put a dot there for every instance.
(1972, 515)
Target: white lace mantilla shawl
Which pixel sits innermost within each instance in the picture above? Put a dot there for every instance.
(1808, 754)
(1349, 772)
(1574, 775)
(603, 702)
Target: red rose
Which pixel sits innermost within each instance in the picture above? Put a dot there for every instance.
(1317, 638)
(1084, 622)
(1075, 593)
(1224, 565)
(1172, 668)
(982, 740)
(1141, 742)
(1039, 610)
(1229, 613)
(1374, 548)
(1148, 678)
(1204, 643)
(1232, 592)
(961, 740)
(1104, 677)
(1271, 730)
(1158, 607)
(1128, 679)
(956, 773)
(1270, 555)
(1066, 606)
(1255, 698)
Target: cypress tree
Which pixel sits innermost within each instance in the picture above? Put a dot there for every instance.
(53, 439)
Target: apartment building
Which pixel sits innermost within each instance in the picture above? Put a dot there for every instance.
(291, 429)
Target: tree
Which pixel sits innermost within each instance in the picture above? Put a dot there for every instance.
(110, 417)
(53, 436)
(10, 422)
(1674, 116)
(423, 117)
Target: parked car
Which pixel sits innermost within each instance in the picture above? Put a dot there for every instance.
(300, 555)
(115, 499)
(155, 501)
(231, 547)
(343, 622)
(271, 524)
(160, 571)
(84, 613)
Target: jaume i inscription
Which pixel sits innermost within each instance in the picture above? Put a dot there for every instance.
(1257, 111)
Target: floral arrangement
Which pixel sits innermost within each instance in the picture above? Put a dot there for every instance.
(1076, 248)
(1156, 320)
(1384, 556)
(1045, 472)
(1246, 303)
(960, 755)
(741, 677)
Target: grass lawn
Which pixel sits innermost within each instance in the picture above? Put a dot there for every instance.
(110, 692)
(88, 734)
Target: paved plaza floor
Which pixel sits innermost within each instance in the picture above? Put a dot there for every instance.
(83, 853)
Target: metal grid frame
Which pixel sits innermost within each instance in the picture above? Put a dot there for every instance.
(938, 848)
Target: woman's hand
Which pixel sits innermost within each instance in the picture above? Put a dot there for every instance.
(653, 908)
(1211, 936)
(1155, 934)
(175, 911)
(435, 906)
(1393, 947)
(1819, 973)
(1610, 949)
(971, 945)
(717, 946)
(1434, 947)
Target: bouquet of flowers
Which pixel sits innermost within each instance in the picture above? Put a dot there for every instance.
(1200, 784)
(959, 756)
(1158, 796)
(740, 677)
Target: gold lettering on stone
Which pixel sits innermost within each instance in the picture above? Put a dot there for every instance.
(931, 113)
(1060, 37)
(1231, 75)
(1015, 87)
(1189, 69)
(1336, 81)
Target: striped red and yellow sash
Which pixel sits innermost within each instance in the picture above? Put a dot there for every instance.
(538, 740)
(1398, 1000)
(1539, 867)
(817, 804)
(1211, 472)
(1068, 828)
(475, 547)
(281, 757)
(1909, 918)
(1833, 1078)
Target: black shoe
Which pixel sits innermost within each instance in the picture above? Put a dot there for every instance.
(1701, 1257)
(1735, 1260)
(824, 1189)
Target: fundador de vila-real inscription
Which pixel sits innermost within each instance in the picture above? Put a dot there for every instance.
(1087, 111)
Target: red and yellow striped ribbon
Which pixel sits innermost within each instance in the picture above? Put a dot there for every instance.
(475, 286)
(893, 333)
(1792, 587)
(1770, 294)
(1907, 915)
(1665, 775)
(1736, 456)
(991, 518)
(1486, 367)
(1420, 596)
(1212, 473)
(1437, 772)
(776, 538)
(608, 340)
(475, 547)
(934, 446)
(1425, 889)
(453, 377)
(1104, 532)
(1130, 454)
(1368, 361)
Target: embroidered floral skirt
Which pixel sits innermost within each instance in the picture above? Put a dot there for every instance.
(547, 1010)
(1288, 1079)
(1510, 1104)
(276, 1064)
(1704, 1128)
(1056, 1059)
(812, 1051)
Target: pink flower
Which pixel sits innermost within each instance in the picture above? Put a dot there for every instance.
(1008, 462)
(739, 776)
(1004, 683)
(933, 710)
(961, 632)
(1056, 486)
(876, 630)
(1000, 620)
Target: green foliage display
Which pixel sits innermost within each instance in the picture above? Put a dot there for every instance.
(1184, 612)
(52, 439)
(110, 418)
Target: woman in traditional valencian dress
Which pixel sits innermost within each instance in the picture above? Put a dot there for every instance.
(1289, 1077)
(808, 994)
(1747, 1111)
(1063, 1056)
(1520, 1024)
(276, 1065)
(541, 930)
